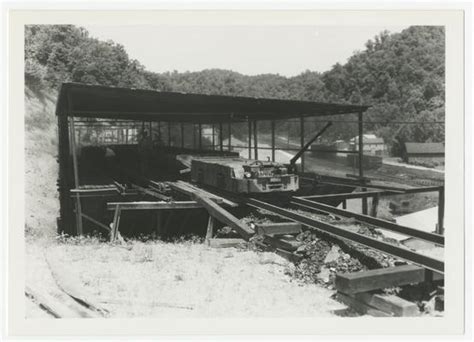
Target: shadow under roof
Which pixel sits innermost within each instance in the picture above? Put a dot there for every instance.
(92, 101)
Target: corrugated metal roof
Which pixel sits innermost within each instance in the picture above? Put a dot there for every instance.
(94, 101)
(424, 148)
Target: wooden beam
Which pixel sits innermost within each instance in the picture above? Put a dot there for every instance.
(284, 242)
(281, 228)
(273, 139)
(169, 133)
(250, 139)
(72, 136)
(224, 216)
(200, 136)
(440, 226)
(182, 135)
(349, 195)
(221, 135)
(51, 305)
(229, 143)
(391, 304)
(379, 278)
(189, 190)
(255, 139)
(68, 282)
(360, 307)
(302, 142)
(374, 206)
(210, 228)
(143, 205)
(361, 158)
(213, 130)
(292, 257)
(101, 225)
(226, 243)
(115, 223)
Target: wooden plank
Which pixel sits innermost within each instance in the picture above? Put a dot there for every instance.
(379, 278)
(210, 228)
(224, 216)
(360, 307)
(286, 243)
(292, 257)
(226, 243)
(280, 228)
(70, 285)
(390, 304)
(115, 223)
(151, 193)
(145, 205)
(53, 306)
(349, 195)
(100, 224)
(72, 137)
(191, 189)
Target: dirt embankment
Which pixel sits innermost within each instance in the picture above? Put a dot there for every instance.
(41, 167)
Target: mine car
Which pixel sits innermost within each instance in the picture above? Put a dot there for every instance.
(240, 175)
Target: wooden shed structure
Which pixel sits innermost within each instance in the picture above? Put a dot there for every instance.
(91, 103)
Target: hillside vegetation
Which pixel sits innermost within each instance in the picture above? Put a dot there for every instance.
(400, 75)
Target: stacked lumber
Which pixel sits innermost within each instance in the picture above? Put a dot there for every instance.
(361, 290)
(281, 238)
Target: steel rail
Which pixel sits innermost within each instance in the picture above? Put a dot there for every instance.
(383, 224)
(399, 252)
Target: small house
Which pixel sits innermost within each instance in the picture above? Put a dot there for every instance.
(372, 144)
(417, 153)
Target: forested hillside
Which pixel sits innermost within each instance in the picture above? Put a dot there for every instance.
(400, 75)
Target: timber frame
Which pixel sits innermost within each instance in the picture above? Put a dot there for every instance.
(79, 101)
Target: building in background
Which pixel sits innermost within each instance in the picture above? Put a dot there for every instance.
(424, 153)
(372, 145)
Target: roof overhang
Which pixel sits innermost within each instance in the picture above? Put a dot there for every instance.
(92, 101)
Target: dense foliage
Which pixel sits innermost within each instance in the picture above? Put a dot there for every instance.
(400, 75)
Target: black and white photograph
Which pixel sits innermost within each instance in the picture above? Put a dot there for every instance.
(238, 171)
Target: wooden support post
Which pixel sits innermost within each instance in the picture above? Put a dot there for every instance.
(224, 216)
(302, 142)
(126, 136)
(221, 134)
(213, 130)
(440, 226)
(182, 135)
(194, 136)
(115, 223)
(200, 136)
(273, 140)
(169, 134)
(250, 140)
(229, 128)
(375, 204)
(72, 137)
(361, 158)
(344, 204)
(210, 228)
(159, 132)
(255, 139)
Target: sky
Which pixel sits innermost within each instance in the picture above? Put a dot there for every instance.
(250, 50)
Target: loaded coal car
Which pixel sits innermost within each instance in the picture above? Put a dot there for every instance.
(240, 175)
